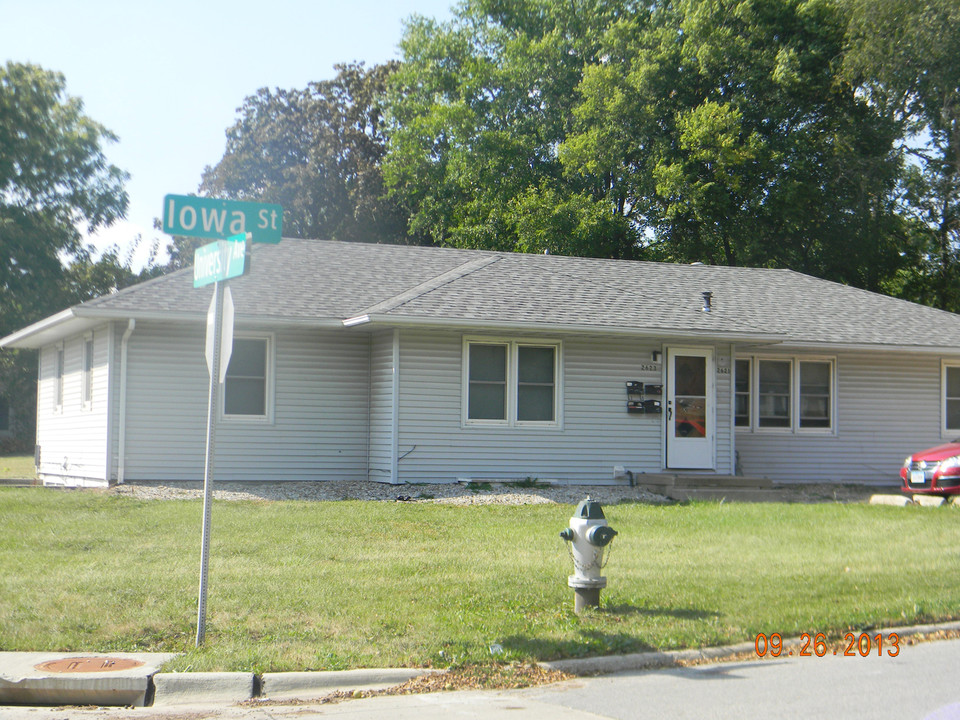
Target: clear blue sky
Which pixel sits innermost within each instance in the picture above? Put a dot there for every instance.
(167, 76)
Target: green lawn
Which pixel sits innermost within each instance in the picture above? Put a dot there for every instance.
(17, 467)
(300, 586)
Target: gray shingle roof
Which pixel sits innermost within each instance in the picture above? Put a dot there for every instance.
(324, 282)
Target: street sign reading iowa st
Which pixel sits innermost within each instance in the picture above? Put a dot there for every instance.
(219, 219)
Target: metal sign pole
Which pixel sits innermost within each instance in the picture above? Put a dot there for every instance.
(212, 407)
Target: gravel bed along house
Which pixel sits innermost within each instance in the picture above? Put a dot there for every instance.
(453, 493)
(465, 494)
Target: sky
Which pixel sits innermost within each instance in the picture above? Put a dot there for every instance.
(167, 77)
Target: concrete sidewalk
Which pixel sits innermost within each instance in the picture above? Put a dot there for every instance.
(59, 679)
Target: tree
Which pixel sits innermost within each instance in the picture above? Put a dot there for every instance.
(54, 180)
(723, 129)
(317, 153)
(478, 110)
(904, 55)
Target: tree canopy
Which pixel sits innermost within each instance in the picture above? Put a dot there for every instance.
(905, 56)
(693, 130)
(478, 110)
(55, 182)
(317, 152)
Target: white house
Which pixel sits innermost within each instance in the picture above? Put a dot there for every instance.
(412, 364)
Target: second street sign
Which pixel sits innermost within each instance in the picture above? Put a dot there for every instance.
(220, 260)
(212, 218)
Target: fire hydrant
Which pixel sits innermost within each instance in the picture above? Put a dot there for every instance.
(588, 534)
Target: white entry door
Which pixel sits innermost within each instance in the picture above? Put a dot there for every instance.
(690, 412)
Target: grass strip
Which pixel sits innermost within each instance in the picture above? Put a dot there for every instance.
(337, 585)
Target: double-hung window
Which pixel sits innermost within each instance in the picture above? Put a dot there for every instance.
(58, 380)
(6, 415)
(86, 396)
(951, 398)
(511, 382)
(789, 394)
(247, 388)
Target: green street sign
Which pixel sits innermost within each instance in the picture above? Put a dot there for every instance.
(220, 260)
(212, 218)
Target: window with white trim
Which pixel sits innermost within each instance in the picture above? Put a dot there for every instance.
(773, 393)
(6, 416)
(87, 387)
(788, 394)
(815, 394)
(246, 389)
(511, 382)
(951, 397)
(58, 380)
(741, 393)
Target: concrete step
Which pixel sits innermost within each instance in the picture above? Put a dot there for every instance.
(669, 480)
(753, 495)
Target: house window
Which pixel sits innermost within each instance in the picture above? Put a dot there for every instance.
(246, 390)
(511, 383)
(741, 393)
(58, 383)
(814, 394)
(773, 393)
(488, 382)
(87, 397)
(790, 394)
(535, 383)
(5, 415)
(951, 399)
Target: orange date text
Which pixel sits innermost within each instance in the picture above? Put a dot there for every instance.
(816, 645)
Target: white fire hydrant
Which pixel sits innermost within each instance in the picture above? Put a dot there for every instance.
(588, 535)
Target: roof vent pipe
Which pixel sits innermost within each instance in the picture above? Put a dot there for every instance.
(707, 301)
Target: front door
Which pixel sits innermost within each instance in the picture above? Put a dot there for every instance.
(690, 413)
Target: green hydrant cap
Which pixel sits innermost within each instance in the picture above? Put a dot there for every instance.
(589, 510)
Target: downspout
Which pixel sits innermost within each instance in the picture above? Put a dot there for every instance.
(122, 431)
(395, 407)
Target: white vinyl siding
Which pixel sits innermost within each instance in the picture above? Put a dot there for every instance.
(73, 432)
(887, 406)
(596, 434)
(319, 428)
(382, 428)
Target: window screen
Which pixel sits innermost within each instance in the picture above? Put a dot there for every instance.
(488, 382)
(245, 388)
(535, 383)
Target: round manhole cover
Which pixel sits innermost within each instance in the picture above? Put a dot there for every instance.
(88, 664)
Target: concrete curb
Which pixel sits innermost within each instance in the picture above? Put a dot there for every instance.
(191, 688)
(306, 685)
(670, 658)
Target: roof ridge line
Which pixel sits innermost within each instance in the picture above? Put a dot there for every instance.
(438, 281)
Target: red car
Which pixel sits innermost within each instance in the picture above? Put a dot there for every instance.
(935, 471)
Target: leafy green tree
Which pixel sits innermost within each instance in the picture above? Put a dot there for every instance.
(723, 129)
(905, 57)
(317, 153)
(54, 181)
(478, 110)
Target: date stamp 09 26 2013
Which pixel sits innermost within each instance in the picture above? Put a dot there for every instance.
(853, 645)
